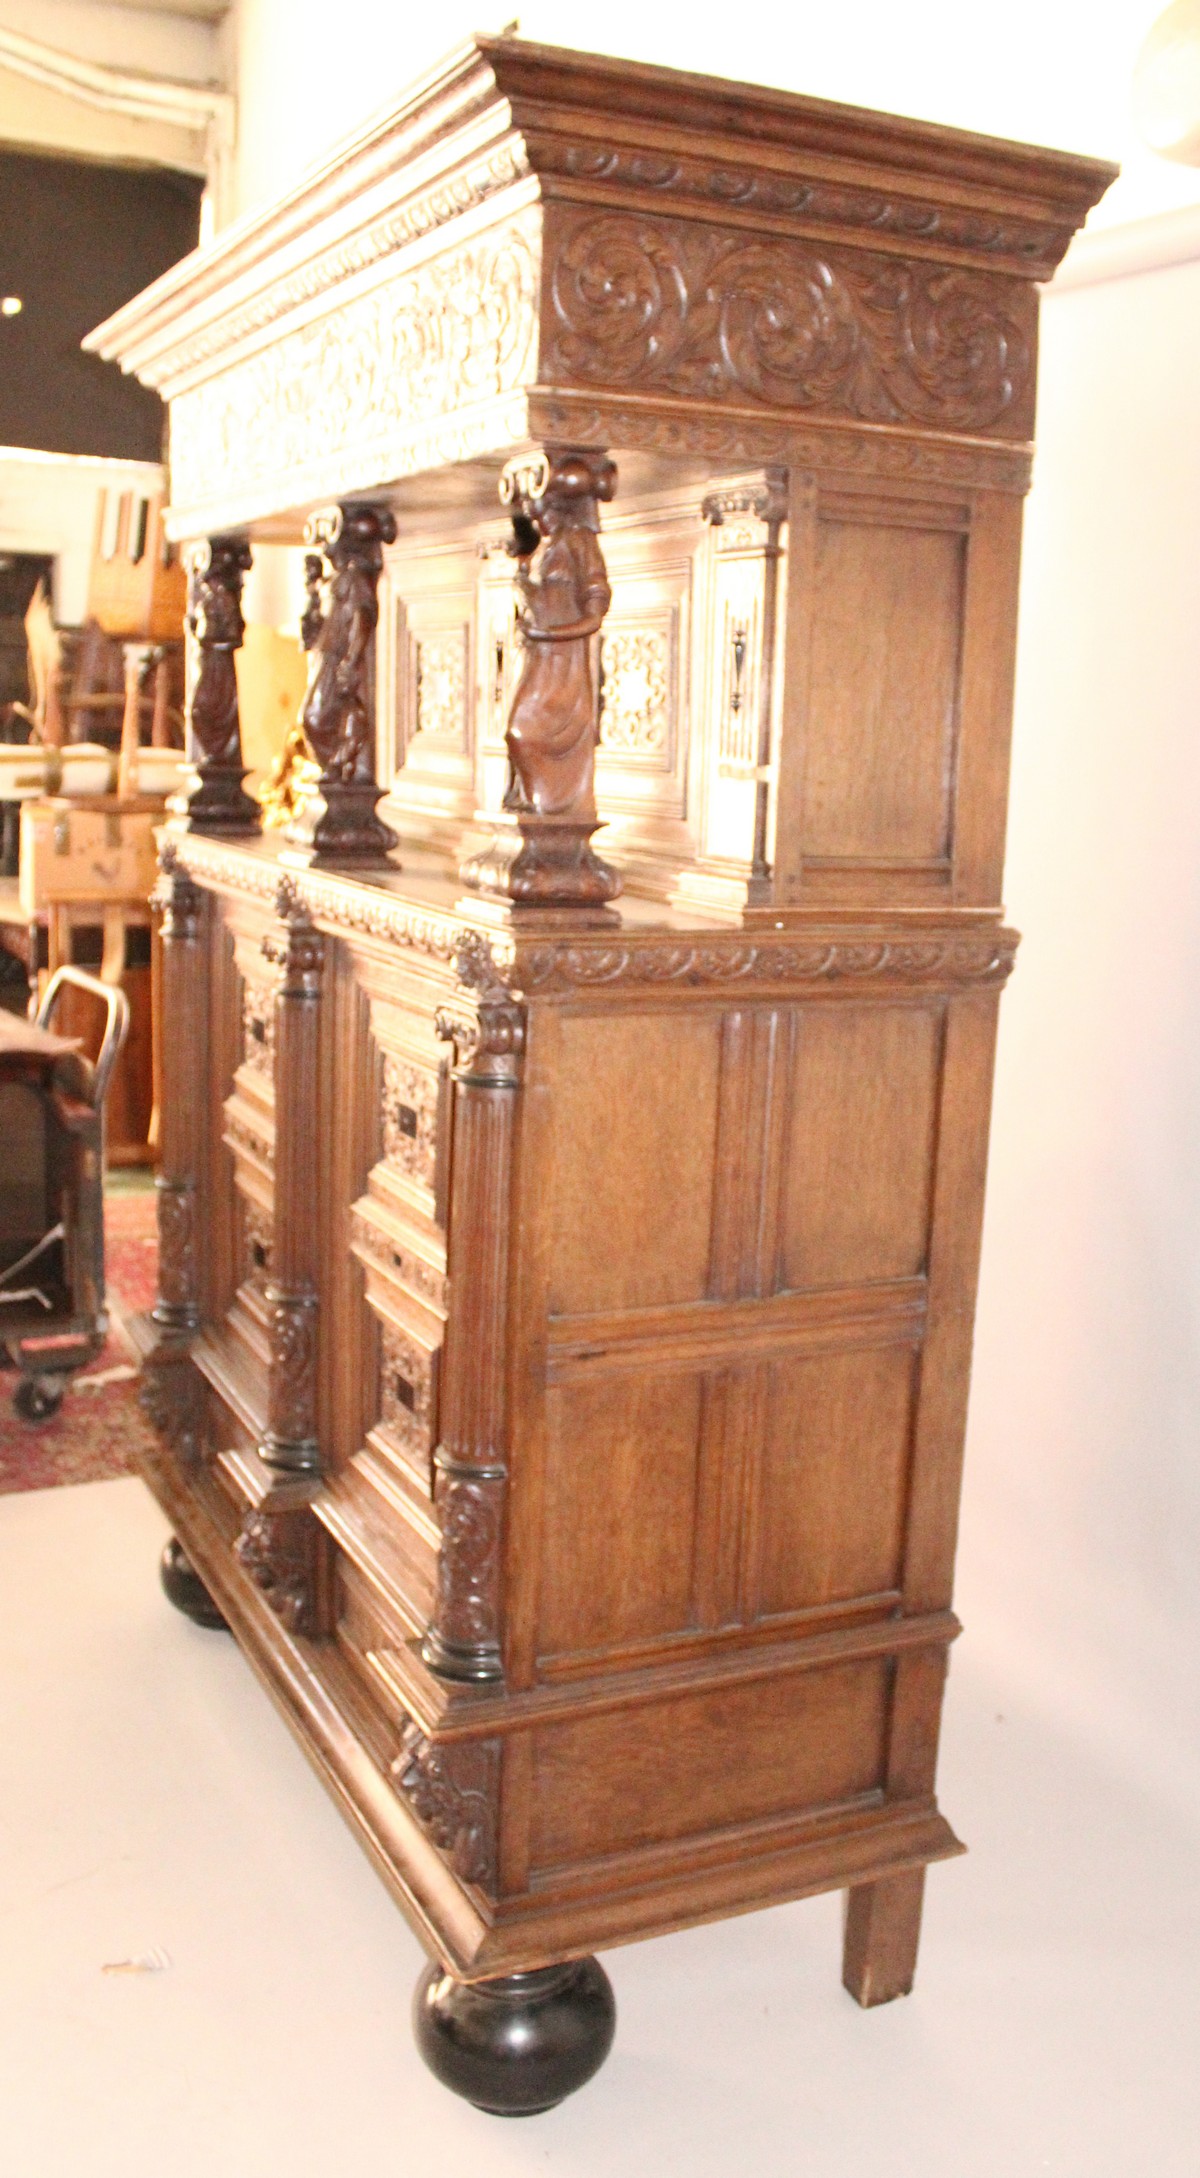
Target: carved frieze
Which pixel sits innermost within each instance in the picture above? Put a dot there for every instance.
(680, 308)
(452, 1790)
(359, 385)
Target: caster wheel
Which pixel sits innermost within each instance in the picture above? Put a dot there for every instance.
(185, 1589)
(36, 1398)
(518, 2044)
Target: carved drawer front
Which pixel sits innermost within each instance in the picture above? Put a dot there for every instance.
(413, 1115)
(409, 1354)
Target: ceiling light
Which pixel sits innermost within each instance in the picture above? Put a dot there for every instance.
(11, 306)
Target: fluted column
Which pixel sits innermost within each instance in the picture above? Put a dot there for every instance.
(464, 1634)
(184, 1077)
(290, 1444)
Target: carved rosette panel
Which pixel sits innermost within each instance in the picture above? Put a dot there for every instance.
(635, 696)
(365, 382)
(258, 1031)
(452, 1790)
(665, 305)
(440, 681)
(407, 1389)
(410, 1119)
(278, 1551)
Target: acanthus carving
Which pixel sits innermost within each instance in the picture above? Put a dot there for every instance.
(300, 951)
(409, 1111)
(485, 1024)
(176, 1306)
(669, 306)
(278, 1551)
(216, 799)
(338, 822)
(1032, 246)
(452, 1789)
(177, 899)
(939, 962)
(465, 1627)
(293, 1378)
(372, 382)
(553, 725)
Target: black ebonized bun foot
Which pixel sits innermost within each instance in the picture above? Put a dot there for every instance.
(520, 2043)
(185, 1588)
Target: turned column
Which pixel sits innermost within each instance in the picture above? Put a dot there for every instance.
(290, 1445)
(214, 799)
(338, 823)
(463, 1638)
(541, 854)
(184, 1078)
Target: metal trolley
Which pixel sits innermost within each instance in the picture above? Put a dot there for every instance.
(53, 1319)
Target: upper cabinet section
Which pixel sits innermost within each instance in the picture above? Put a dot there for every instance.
(546, 246)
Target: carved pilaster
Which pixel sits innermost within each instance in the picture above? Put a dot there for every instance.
(278, 1549)
(452, 1790)
(290, 1444)
(184, 1073)
(541, 855)
(215, 799)
(487, 1028)
(338, 823)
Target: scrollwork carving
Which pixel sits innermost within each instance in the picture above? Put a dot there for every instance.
(785, 324)
(451, 1788)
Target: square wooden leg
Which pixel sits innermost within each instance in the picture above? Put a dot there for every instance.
(883, 1924)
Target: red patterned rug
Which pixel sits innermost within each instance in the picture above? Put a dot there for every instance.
(99, 1424)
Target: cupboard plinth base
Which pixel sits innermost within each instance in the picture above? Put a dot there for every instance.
(520, 2043)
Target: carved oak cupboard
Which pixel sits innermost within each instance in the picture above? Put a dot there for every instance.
(575, 1122)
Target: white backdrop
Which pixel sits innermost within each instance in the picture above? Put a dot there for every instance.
(1081, 1536)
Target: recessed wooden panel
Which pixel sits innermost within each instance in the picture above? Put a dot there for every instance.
(706, 1762)
(832, 1483)
(635, 1135)
(621, 1463)
(887, 613)
(860, 1141)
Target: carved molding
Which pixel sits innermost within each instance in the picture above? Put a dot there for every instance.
(939, 962)
(1033, 247)
(868, 450)
(674, 306)
(452, 1790)
(365, 382)
(279, 1552)
(241, 1134)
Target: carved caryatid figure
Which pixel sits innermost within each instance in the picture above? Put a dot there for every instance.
(554, 722)
(553, 725)
(339, 823)
(216, 801)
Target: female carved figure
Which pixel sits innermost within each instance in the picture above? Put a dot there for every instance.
(336, 714)
(553, 724)
(215, 620)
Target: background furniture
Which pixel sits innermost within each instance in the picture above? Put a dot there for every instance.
(562, 1348)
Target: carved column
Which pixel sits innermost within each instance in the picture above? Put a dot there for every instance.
(184, 1078)
(215, 799)
(463, 1639)
(338, 823)
(541, 855)
(290, 1445)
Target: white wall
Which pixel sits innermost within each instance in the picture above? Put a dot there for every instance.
(48, 504)
(1050, 71)
(1081, 1538)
